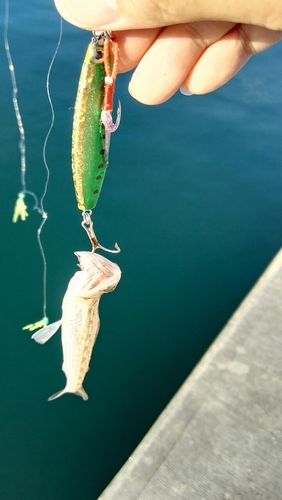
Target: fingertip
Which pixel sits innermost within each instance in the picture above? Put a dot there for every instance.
(140, 97)
(88, 14)
(133, 94)
(142, 94)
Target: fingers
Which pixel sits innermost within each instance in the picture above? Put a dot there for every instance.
(136, 14)
(217, 64)
(171, 57)
(133, 46)
(201, 56)
(222, 60)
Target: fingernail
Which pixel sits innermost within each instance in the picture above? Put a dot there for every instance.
(184, 91)
(105, 12)
(89, 15)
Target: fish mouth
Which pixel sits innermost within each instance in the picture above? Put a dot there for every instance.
(89, 260)
(104, 269)
(85, 260)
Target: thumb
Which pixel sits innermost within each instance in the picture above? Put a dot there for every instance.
(134, 14)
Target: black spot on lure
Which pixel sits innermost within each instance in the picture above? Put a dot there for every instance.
(92, 123)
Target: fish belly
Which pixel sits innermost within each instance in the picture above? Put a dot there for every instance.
(80, 327)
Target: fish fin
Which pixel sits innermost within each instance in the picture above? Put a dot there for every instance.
(82, 393)
(56, 395)
(41, 336)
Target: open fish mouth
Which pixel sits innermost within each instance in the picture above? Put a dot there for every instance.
(103, 273)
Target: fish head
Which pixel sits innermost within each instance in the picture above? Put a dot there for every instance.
(98, 275)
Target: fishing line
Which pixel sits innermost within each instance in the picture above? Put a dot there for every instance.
(20, 210)
(44, 321)
(44, 214)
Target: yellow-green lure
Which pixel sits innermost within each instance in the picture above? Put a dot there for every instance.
(92, 124)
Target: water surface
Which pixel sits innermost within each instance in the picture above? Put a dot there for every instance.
(193, 197)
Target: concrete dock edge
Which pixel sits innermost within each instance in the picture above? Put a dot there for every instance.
(220, 437)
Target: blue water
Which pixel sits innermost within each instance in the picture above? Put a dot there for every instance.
(193, 197)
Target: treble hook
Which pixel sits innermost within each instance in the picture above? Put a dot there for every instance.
(87, 224)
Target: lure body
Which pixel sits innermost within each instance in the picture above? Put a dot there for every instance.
(80, 320)
(89, 155)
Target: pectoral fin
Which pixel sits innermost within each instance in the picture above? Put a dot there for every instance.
(41, 336)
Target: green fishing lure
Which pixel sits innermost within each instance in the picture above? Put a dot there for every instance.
(92, 124)
(89, 157)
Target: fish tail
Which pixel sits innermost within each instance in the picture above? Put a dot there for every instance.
(80, 392)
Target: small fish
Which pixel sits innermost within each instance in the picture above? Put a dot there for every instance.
(80, 320)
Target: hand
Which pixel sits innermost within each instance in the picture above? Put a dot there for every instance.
(198, 46)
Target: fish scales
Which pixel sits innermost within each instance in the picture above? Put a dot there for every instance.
(79, 339)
